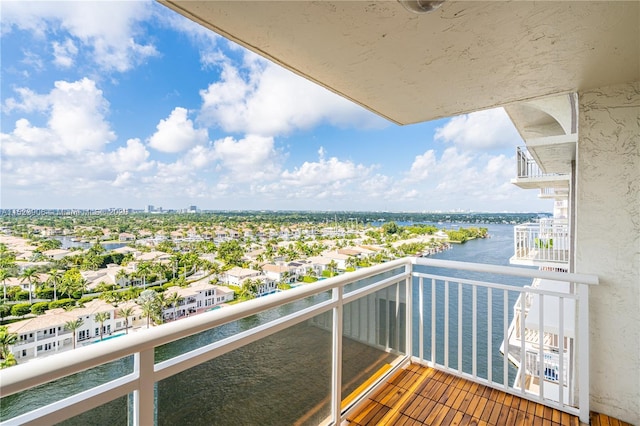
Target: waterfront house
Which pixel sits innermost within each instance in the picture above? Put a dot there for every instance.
(46, 334)
(279, 273)
(237, 275)
(413, 61)
(194, 298)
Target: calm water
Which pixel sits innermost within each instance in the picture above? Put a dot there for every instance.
(247, 386)
(67, 243)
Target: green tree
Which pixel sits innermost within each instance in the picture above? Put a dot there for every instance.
(101, 317)
(4, 274)
(7, 359)
(126, 312)
(173, 300)
(143, 270)
(29, 275)
(150, 304)
(20, 309)
(390, 228)
(73, 326)
(55, 275)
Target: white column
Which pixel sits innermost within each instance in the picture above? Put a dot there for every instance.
(608, 243)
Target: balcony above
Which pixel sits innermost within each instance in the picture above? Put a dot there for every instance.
(554, 193)
(531, 176)
(544, 244)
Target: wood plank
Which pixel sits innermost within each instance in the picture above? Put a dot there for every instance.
(482, 403)
(488, 409)
(504, 415)
(422, 417)
(457, 419)
(434, 413)
(446, 420)
(468, 397)
(474, 400)
(457, 404)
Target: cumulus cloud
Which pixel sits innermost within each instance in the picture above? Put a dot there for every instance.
(76, 121)
(253, 158)
(109, 30)
(265, 99)
(64, 53)
(481, 131)
(325, 172)
(176, 133)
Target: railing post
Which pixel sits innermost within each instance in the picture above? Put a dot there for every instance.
(582, 359)
(409, 311)
(144, 397)
(336, 373)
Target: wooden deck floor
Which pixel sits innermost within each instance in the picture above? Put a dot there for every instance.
(420, 395)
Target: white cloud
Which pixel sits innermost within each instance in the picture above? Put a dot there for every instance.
(176, 133)
(108, 29)
(422, 165)
(481, 131)
(76, 121)
(265, 99)
(64, 53)
(253, 158)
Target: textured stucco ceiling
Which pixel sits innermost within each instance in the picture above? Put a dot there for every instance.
(463, 57)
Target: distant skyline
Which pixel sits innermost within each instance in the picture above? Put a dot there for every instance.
(127, 104)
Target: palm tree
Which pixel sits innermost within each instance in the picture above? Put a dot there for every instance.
(143, 270)
(54, 276)
(73, 326)
(28, 275)
(7, 359)
(148, 301)
(4, 274)
(122, 276)
(101, 317)
(174, 299)
(126, 312)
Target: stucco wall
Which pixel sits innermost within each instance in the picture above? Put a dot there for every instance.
(608, 243)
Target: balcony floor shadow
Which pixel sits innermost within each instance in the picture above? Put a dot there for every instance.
(420, 395)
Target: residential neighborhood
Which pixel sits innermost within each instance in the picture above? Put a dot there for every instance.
(65, 287)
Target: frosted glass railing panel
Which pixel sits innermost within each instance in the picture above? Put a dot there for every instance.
(114, 413)
(374, 331)
(280, 379)
(47, 393)
(216, 334)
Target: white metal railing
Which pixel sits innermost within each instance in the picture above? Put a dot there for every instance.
(527, 167)
(460, 319)
(547, 241)
(423, 300)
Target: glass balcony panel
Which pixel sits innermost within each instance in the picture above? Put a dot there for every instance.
(356, 285)
(114, 413)
(39, 396)
(199, 340)
(281, 379)
(374, 334)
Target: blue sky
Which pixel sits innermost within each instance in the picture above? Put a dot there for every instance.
(124, 104)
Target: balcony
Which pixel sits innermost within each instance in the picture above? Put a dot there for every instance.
(543, 244)
(310, 355)
(530, 175)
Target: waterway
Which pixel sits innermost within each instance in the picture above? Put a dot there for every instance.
(285, 378)
(68, 242)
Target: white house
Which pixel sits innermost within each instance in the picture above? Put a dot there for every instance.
(195, 298)
(46, 334)
(236, 275)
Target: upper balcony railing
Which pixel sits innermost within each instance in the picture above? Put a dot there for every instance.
(306, 355)
(543, 244)
(529, 174)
